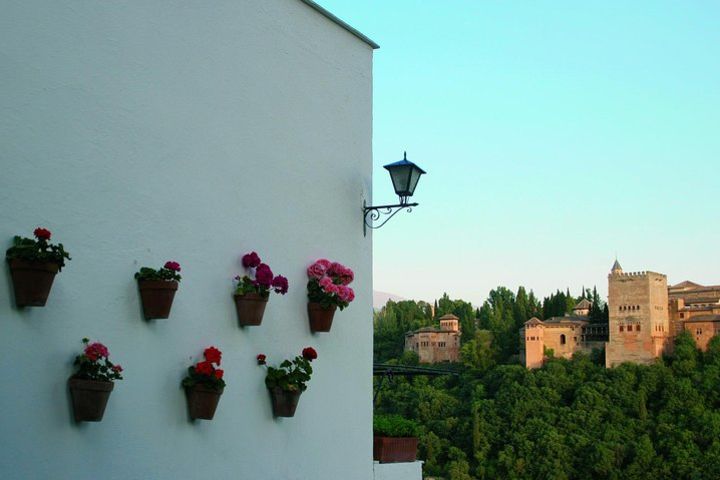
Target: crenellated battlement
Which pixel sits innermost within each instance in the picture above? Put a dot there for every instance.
(636, 274)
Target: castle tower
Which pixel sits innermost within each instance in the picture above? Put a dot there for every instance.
(639, 326)
(449, 323)
(533, 353)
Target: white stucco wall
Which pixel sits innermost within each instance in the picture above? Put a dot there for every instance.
(398, 471)
(145, 131)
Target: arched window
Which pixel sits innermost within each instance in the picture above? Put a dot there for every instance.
(562, 339)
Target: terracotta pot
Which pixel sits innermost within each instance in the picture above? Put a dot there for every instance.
(250, 309)
(284, 402)
(395, 449)
(32, 281)
(89, 398)
(202, 401)
(157, 297)
(320, 318)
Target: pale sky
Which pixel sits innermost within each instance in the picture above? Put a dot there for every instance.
(555, 134)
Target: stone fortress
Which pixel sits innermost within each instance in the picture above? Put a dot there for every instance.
(436, 345)
(645, 316)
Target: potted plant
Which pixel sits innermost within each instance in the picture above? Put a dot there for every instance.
(91, 385)
(287, 381)
(253, 289)
(394, 439)
(204, 384)
(327, 290)
(33, 265)
(157, 289)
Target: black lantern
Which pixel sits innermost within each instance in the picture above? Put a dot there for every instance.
(405, 176)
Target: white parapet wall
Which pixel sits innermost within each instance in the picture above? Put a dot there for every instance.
(145, 131)
(397, 471)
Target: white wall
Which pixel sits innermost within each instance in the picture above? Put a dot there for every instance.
(145, 131)
(398, 471)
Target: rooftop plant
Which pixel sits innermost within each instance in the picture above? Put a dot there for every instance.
(290, 375)
(38, 249)
(169, 272)
(328, 284)
(394, 426)
(259, 279)
(94, 364)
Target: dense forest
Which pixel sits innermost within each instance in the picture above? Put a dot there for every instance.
(499, 318)
(571, 419)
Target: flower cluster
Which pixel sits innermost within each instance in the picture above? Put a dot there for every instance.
(205, 372)
(261, 278)
(329, 282)
(93, 363)
(38, 249)
(291, 375)
(169, 272)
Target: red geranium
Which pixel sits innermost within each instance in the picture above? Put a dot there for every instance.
(309, 353)
(42, 233)
(261, 359)
(204, 368)
(205, 373)
(250, 260)
(174, 266)
(213, 355)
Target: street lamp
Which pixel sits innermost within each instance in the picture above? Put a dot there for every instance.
(405, 176)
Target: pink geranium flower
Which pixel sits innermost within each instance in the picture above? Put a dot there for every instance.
(316, 270)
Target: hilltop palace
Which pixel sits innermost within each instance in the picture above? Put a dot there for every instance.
(645, 316)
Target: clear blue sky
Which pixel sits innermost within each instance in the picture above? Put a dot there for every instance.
(554, 133)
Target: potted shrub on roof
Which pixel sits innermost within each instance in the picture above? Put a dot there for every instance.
(204, 384)
(33, 265)
(157, 289)
(395, 439)
(327, 290)
(91, 385)
(287, 381)
(253, 290)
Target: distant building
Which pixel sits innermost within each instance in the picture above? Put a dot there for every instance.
(563, 335)
(645, 315)
(435, 345)
(695, 308)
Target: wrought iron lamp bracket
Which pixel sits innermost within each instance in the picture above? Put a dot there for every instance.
(372, 214)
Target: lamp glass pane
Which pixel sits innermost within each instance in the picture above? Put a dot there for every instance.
(414, 178)
(400, 176)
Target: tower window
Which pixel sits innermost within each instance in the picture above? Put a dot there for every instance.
(629, 328)
(562, 339)
(622, 329)
(638, 328)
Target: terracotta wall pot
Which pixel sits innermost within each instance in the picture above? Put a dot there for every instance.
(320, 318)
(157, 297)
(32, 281)
(250, 309)
(284, 402)
(394, 450)
(89, 398)
(202, 401)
